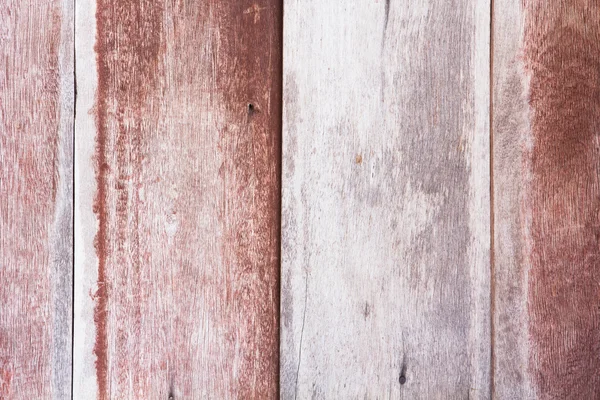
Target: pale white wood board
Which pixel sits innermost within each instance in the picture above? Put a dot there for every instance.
(511, 142)
(62, 235)
(386, 208)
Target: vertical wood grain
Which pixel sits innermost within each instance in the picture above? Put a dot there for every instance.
(386, 207)
(178, 150)
(36, 241)
(546, 121)
(511, 144)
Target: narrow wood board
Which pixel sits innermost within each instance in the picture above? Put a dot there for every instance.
(386, 200)
(546, 116)
(36, 191)
(178, 199)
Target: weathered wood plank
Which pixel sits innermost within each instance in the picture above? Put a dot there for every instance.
(386, 214)
(510, 144)
(546, 195)
(178, 199)
(36, 210)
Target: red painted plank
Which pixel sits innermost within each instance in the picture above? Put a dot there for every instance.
(36, 115)
(562, 56)
(547, 199)
(186, 163)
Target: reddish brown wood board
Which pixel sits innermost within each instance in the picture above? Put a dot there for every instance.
(36, 136)
(186, 161)
(547, 164)
(562, 56)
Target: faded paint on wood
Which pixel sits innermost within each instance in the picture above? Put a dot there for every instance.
(546, 119)
(386, 206)
(178, 130)
(36, 241)
(511, 144)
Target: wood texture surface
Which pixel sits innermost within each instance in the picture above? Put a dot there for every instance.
(36, 136)
(178, 270)
(386, 207)
(401, 276)
(511, 144)
(546, 152)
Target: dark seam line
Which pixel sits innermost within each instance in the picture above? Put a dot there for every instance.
(491, 167)
(73, 206)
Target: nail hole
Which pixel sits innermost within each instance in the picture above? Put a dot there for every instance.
(366, 310)
(402, 379)
(250, 108)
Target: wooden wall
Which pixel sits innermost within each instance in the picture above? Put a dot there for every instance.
(303, 199)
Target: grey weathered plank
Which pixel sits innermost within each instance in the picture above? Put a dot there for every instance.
(36, 214)
(386, 214)
(546, 199)
(510, 141)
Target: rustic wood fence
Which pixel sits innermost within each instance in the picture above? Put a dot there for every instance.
(357, 199)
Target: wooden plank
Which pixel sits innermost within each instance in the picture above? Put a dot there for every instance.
(546, 195)
(36, 136)
(386, 206)
(36, 122)
(178, 199)
(510, 143)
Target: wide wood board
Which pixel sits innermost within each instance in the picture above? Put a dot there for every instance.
(178, 144)
(386, 205)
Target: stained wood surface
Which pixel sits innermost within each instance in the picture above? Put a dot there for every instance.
(36, 240)
(546, 199)
(386, 207)
(178, 199)
(401, 276)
